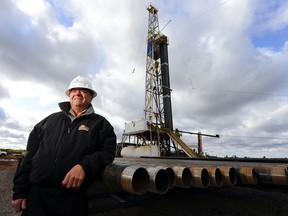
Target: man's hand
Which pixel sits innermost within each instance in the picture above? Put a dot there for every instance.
(74, 177)
(19, 204)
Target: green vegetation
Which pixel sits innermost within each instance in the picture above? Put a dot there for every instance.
(13, 151)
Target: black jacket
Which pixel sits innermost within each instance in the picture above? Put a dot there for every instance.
(56, 144)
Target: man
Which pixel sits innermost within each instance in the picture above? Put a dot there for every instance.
(65, 152)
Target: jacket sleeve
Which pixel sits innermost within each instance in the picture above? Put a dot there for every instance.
(21, 178)
(93, 164)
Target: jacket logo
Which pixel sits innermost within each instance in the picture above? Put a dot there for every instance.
(83, 127)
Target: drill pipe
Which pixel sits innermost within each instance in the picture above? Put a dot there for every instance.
(244, 176)
(229, 175)
(171, 175)
(279, 176)
(248, 175)
(200, 177)
(272, 175)
(169, 170)
(183, 177)
(158, 177)
(159, 180)
(178, 176)
(132, 179)
(216, 176)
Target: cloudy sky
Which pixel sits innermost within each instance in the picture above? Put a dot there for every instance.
(227, 59)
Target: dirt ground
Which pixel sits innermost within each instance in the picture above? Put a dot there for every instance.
(8, 162)
(225, 201)
(232, 201)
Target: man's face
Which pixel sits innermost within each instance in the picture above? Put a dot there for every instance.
(80, 98)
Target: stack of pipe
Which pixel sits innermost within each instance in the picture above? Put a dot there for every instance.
(276, 175)
(140, 175)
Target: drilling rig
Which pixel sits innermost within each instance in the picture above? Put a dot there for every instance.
(154, 135)
(155, 130)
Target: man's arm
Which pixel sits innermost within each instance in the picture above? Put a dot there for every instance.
(94, 163)
(19, 204)
(21, 178)
(74, 177)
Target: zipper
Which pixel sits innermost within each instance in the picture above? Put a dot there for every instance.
(59, 147)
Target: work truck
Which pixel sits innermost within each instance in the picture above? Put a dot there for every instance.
(3, 153)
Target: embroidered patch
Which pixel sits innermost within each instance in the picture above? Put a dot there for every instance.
(83, 127)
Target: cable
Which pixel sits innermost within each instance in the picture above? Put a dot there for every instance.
(176, 37)
(255, 137)
(165, 25)
(205, 12)
(243, 92)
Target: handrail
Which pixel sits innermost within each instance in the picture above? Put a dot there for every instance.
(184, 146)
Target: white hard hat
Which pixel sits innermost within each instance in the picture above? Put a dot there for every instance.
(80, 82)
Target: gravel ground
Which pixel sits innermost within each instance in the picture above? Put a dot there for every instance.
(230, 201)
(235, 201)
(6, 185)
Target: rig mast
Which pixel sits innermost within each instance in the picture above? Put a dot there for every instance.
(158, 109)
(156, 127)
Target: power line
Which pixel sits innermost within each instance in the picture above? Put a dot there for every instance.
(194, 18)
(204, 13)
(165, 25)
(242, 92)
(254, 137)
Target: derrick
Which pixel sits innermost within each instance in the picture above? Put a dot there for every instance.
(155, 129)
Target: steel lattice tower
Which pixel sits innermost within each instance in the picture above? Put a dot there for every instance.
(155, 129)
(151, 68)
(158, 114)
(153, 102)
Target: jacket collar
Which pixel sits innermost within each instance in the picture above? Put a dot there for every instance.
(65, 107)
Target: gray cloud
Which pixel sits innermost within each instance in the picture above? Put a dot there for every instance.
(4, 93)
(2, 115)
(221, 82)
(7, 134)
(36, 52)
